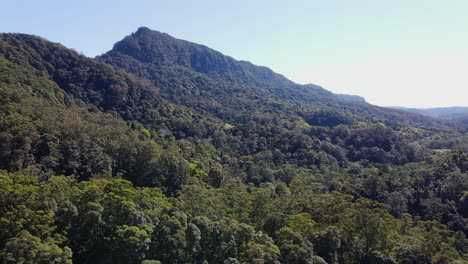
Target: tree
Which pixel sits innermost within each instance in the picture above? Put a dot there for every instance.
(129, 244)
(293, 247)
(26, 248)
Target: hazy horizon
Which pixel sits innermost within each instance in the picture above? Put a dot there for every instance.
(392, 54)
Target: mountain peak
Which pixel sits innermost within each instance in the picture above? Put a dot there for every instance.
(162, 50)
(143, 29)
(145, 33)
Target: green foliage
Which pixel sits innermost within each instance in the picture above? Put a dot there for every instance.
(210, 160)
(26, 248)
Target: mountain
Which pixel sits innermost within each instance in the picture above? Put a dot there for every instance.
(159, 49)
(166, 151)
(201, 78)
(439, 112)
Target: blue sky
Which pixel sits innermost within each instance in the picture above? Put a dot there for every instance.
(406, 53)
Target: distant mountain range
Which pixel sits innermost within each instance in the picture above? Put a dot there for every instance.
(439, 112)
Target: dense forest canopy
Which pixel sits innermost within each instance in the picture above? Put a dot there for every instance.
(165, 151)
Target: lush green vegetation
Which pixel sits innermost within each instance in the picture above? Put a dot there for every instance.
(193, 157)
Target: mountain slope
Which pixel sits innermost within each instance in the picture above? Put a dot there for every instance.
(208, 164)
(78, 116)
(204, 79)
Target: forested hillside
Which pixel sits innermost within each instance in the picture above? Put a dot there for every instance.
(204, 79)
(162, 150)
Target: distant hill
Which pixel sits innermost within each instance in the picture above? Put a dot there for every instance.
(439, 112)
